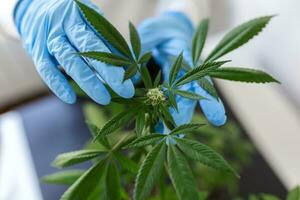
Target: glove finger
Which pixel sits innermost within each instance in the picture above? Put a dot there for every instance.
(55, 80)
(84, 39)
(185, 112)
(212, 108)
(170, 25)
(75, 67)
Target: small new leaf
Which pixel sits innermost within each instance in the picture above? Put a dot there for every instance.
(149, 171)
(199, 40)
(135, 40)
(175, 69)
(189, 95)
(105, 29)
(67, 177)
(204, 154)
(75, 157)
(243, 75)
(181, 175)
(238, 36)
(107, 58)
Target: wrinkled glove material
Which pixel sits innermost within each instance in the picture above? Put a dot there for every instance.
(53, 32)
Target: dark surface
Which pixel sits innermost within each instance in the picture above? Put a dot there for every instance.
(258, 177)
(53, 127)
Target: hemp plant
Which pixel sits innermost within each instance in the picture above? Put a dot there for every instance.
(143, 152)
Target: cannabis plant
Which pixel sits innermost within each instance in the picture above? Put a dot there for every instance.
(128, 144)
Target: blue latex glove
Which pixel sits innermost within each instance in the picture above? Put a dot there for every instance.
(52, 31)
(167, 36)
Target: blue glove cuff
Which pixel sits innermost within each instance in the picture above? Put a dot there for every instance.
(19, 12)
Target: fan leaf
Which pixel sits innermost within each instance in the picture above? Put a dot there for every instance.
(105, 29)
(67, 177)
(149, 171)
(204, 154)
(199, 72)
(112, 182)
(181, 175)
(118, 121)
(188, 94)
(238, 36)
(75, 157)
(175, 69)
(208, 87)
(107, 58)
(185, 128)
(135, 40)
(130, 72)
(199, 40)
(145, 140)
(86, 184)
(243, 75)
(146, 77)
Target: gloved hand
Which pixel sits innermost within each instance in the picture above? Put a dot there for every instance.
(167, 36)
(52, 31)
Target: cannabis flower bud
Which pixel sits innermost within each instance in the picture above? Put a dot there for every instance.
(155, 96)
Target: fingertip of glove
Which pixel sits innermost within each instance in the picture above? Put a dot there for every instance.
(214, 111)
(126, 89)
(219, 120)
(102, 99)
(69, 98)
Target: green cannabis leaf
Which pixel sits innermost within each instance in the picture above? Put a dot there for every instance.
(112, 179)
(149, 172)
(75, 157)
(199, 40)
(85, 185)
(181, 175)
(108, 58)
(207, 85)
(185, 128)
(145, 140)
(203, 154)
(175, 69)
(238, 36)
(118, 121)
(135, 40)
(199, 72)
(243, 75)
(67, 177)
(189, 95)
(105, 29)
